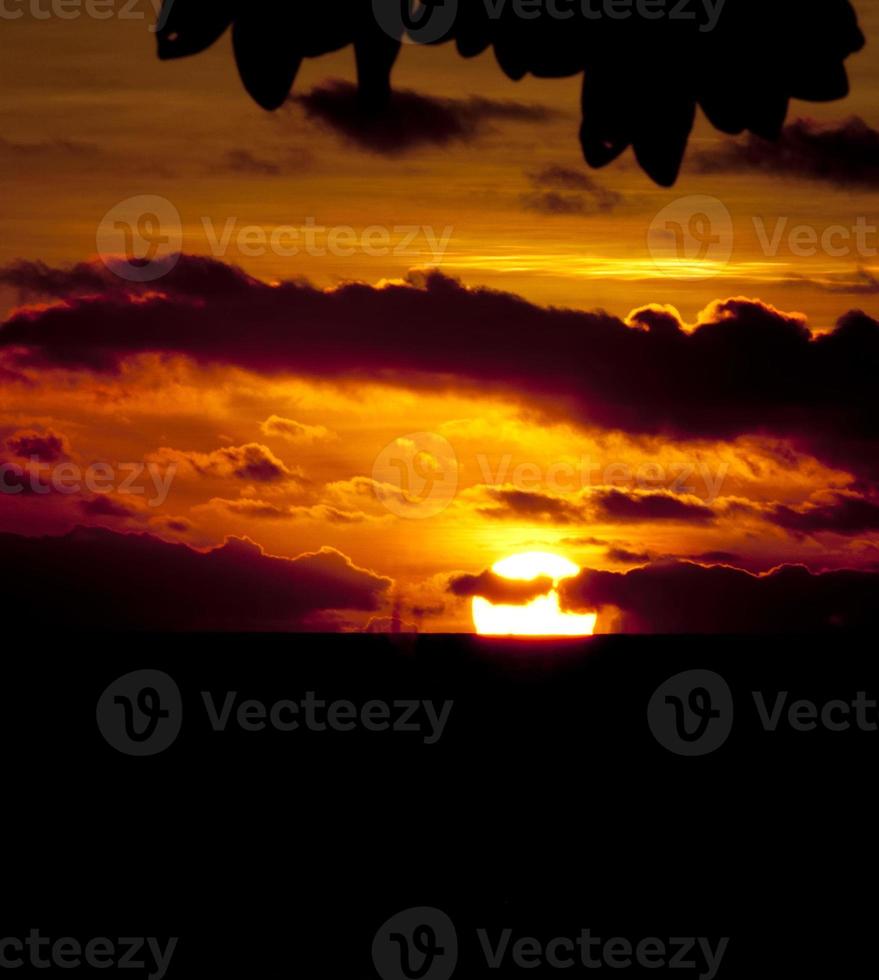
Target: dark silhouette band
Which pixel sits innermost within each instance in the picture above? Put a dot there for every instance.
(646, 66)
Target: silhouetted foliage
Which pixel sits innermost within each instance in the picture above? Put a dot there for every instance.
(645, 67)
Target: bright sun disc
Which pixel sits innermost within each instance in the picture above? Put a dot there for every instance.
(542, 616)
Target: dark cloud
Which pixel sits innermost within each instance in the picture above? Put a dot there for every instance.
(607, 506)
(553, 202)
(249, 462)
(745, 369)
(104, 505)
(267, 511)
(248, 164)
(432, 610)
(46, 148)
(47, 447)
(36, 279)
(860, 283)
(254, 462)
(244, 162)
(194, 277)
(260, 510)
(682, 597)
(178, 525)
(517, 504)
(551, 195)
(32, 476)
(564, 178)
(619, 506)
(837, 513)
(495, 588)
(96, 579)
(14, 377)
(845, 152)
(715, 558)
(626, 557)
(15, 479)
(409, 119)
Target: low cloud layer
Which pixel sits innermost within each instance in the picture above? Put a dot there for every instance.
(683, 597)
(97, 579)
(746, 368)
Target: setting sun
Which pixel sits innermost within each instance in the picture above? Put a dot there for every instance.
(542, 616)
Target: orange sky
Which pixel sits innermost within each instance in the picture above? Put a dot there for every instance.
(90, 118)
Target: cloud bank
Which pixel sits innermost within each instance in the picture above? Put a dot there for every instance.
(97, 579)
(745, 368)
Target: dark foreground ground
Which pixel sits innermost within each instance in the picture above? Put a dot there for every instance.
(547, 803)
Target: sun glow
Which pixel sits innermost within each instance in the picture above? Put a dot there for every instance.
(542, 616)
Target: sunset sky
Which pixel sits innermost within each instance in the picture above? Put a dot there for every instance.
(487, 348)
